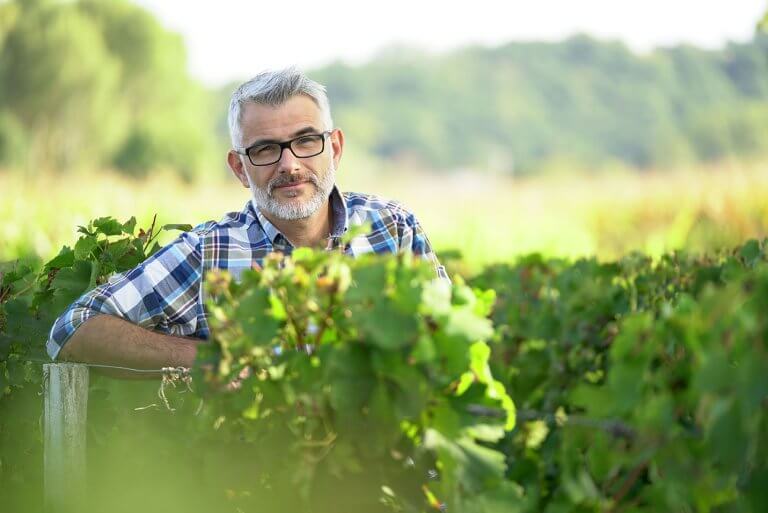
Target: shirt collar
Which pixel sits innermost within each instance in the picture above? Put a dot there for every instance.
(339, 221)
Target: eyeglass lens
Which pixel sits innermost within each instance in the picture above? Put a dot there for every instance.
(302, 147)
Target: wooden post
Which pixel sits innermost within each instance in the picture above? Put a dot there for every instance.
(66, 403)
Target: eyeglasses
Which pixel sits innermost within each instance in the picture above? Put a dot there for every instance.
(302, 147)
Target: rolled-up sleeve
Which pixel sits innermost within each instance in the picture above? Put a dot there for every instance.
(160, 294)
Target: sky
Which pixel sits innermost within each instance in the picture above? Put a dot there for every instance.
(233, 39)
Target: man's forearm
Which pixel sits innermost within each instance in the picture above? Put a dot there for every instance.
(109, 340)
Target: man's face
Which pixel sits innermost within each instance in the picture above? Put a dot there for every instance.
(292, 188)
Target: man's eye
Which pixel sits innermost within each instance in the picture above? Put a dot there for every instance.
(309, 140)
(263, 150)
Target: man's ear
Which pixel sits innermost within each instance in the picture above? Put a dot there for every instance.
(337, 145)
(235, 163)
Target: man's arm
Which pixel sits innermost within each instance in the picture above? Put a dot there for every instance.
(160, 299)
(109, 340)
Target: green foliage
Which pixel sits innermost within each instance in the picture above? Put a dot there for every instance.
(333, 384)
(31, 297)
(631, 380)
(361, 369)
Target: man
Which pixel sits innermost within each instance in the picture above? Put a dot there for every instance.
(286, 151)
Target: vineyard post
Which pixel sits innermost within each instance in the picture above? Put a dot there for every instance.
(65, 408)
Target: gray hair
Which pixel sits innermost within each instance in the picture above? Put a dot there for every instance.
(275, 88)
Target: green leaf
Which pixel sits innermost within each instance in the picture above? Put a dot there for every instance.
(424, 350)
(386, 326)
(179, 227)
(84, 247)
(464, 323)
(496, 391)
(71, 283)
(65, 258)
(11, 273)
(465, 381)
(485, 301)
(474, 466)
(348, 395)
(131, 257)
(479, 352)
(369, 281)
(253, 313)
(750, 252)
(130, 225)
(108, 226)
(85, 230)
(452, 353)
(383, 321)
(348, 372)
(508, 497)
(490, 433)
(436, 297)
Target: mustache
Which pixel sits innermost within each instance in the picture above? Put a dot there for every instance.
(290, 179)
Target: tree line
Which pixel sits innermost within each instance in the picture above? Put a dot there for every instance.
(522, 107)
(104, 84)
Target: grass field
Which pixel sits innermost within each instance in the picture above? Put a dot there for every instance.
(489, 218)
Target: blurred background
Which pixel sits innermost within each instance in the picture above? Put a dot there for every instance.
(566, 128)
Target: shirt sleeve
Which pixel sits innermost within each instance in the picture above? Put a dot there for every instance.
(415, 240)
(160, 294)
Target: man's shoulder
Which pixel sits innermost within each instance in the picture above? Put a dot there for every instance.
(363, 206)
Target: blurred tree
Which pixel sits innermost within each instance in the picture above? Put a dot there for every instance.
(523, 106)
(13, 140)
(59, 81)
(98, 83)
(12, 135)
(9, 13)
(170, 117)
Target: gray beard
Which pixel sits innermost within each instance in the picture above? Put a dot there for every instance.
(267, 203)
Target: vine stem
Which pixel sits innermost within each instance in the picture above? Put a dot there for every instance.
(4, 297)
(299, 335)
(627, 486)
(150, 234)
(329, 314)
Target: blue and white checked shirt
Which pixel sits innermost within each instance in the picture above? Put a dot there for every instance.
(164, 292)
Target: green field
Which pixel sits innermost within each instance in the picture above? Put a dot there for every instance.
(489, 218)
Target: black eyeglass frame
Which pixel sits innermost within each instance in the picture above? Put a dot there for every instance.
(283, 146)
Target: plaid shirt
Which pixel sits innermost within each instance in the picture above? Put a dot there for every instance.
(164, 293)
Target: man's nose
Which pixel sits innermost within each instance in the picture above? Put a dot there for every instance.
(288, 162)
